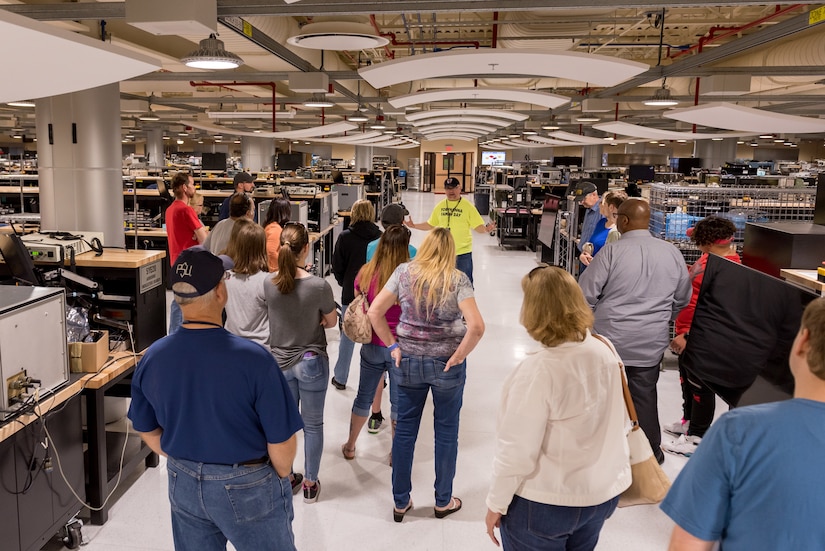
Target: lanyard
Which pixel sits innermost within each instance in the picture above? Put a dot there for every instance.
(450, 211)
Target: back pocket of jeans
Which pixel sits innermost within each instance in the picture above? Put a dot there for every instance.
(449, 379)
(253, 500)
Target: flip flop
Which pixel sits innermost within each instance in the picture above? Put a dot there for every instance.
(349, 455)
(455, 505)
(397, 515)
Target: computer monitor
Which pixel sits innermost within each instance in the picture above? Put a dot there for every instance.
(643, 173)
(18, 259)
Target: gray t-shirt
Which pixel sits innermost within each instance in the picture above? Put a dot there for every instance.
(218, 238)
(295, 319)
(246, 314)
(435, 334)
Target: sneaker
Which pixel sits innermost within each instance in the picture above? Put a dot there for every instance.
(338, 385)
(296, 481)
(678, 428)
(311, 492)
(374, 424)
(685, 445)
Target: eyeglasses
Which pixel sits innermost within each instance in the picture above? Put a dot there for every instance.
(541, 266)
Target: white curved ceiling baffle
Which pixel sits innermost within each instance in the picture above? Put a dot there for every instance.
(745, 119)
(590, 68)
(279, 115)
(355, 137)
(543, 99)
(576, 138)
(522, 143)
(639, 131)
(550, 141)
(481, 129)
(460, 120)
(452, 136)
(490, 113)
(497, 146)
(61, 62)
(315, 131)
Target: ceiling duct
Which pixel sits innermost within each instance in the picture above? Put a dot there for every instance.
(312, 83)
(338, 34)
(181, 17)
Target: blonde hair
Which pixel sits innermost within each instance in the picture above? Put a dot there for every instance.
(247, 247)
(813, 319)
(362, 211)
(393, 249)
(433, 269)
(196, 200)
(294, 238)
(554, 310)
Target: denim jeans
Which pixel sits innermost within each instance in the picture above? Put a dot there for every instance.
(529, 525)
(175, 317)
(249, 506)
(419, 375)
(308, 382)
(464, 263)
(375, 360)
(345, 348)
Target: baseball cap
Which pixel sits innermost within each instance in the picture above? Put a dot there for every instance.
(199, 268)
(451, 182)
(583, 189)
(242, 178)
(393, 214)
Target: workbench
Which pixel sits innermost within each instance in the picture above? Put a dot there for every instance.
(517, 226)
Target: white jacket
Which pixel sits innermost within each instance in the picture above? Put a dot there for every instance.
(562, 426)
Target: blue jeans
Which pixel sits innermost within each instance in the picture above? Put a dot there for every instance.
(175, 317)
(464, 263)
(375, 360)
(345, 348)
(308, 382)
(249, 506)
(529, 525)
(419, 375)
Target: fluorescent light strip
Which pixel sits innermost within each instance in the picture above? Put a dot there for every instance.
(543, 99)
(592, 68)
(490, 113)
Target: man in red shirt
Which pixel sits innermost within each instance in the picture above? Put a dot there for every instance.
(183, 230)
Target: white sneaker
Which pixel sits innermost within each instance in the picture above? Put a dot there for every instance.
(685, 445)
(678, 428)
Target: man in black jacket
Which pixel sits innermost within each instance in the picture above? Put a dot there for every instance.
(349, 255)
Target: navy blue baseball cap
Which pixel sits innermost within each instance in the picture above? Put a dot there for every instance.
(199, 268)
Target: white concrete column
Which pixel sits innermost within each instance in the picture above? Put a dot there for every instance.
(363, 157)
(79, 163)
(592, 156)
(257, 153)
(154, 147)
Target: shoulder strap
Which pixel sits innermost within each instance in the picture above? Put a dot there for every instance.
(628, 400)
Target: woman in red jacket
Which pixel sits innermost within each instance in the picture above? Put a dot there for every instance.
(712, 235)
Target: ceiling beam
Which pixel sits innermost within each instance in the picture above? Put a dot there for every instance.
(240, 8)
(239, 76)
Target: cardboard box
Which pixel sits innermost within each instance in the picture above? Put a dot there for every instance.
(88, 357)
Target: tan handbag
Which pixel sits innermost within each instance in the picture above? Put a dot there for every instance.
(356, 324)
(650, 483)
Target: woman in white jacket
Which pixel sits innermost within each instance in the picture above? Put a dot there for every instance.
(561, 451)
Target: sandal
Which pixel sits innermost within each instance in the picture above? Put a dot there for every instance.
(454, 505)
(349, 454)
(398, 515)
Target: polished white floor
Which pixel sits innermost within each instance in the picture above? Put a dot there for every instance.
(354, 509)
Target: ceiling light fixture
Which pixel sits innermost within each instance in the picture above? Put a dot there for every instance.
(149, 115)
(550, 126)
(766, 136)
(318, 100)
(716, 139)
(378, 123)
(358, 116)
(212, 55)
(585, 117)
(180, 142)
(20, 104)
(661, 97)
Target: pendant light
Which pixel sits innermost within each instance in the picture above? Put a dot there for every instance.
(212, 55)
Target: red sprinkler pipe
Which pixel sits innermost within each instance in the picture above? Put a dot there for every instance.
(227, 85)
(390, 54)
(712, 36)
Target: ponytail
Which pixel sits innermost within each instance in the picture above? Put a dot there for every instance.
(294, 238)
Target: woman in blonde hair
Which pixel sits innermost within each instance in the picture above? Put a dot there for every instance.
(246, 307)
(300, 306)
(392, 251)
(349, 254)
(561, 453)
(430, 352)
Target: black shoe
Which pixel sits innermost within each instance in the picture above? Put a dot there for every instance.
(296, 480)
(374, 423)
(338, 385)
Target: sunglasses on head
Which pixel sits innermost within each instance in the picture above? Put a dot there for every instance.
(541, 266)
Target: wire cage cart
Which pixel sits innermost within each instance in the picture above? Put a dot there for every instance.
(674, 209)
(564, 247)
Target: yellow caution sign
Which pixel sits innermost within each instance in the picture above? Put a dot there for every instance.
(816, 16)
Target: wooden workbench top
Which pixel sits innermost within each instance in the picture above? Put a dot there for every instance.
(804, 278)
(45, 405)
(115, 258)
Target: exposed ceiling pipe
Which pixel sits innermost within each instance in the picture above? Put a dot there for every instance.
(712, 36)
(227, 85)
(395, 42)
(375, 26)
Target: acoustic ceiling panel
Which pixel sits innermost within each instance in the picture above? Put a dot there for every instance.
(639, 131)
(313, 132)
(489, 113)
(745, 119)
(543, 99)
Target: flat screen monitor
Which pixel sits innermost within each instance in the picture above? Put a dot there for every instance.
(685, 165)
(290, 161)
(18, 260)
(644, 173)
(567, 161)
(491, 158)
(213, 161)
